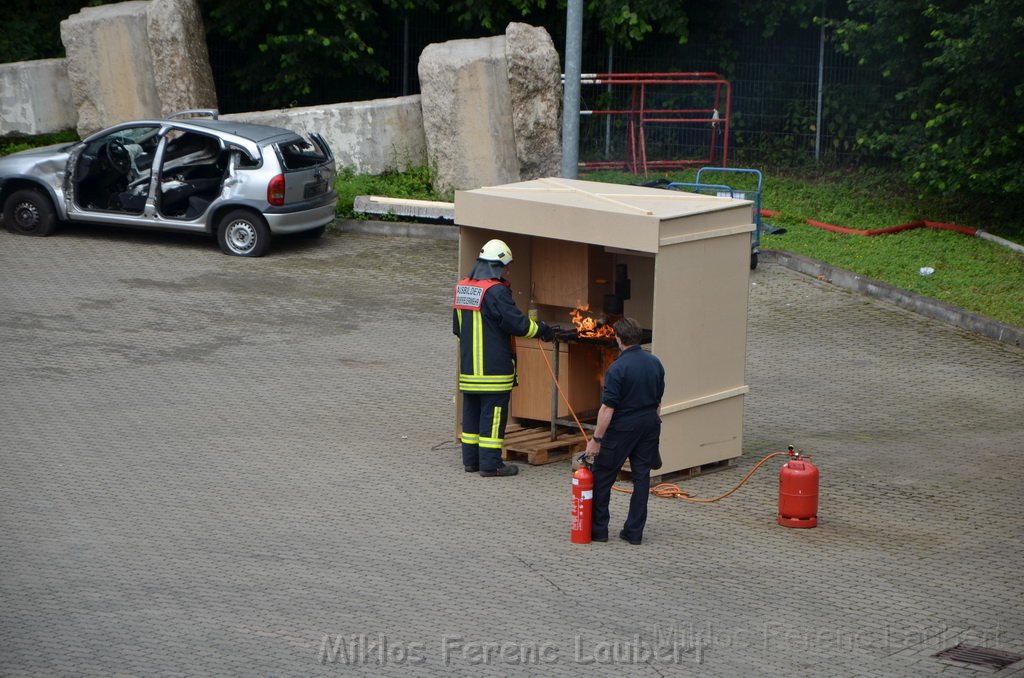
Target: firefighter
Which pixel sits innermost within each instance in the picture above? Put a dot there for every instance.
(486, 320)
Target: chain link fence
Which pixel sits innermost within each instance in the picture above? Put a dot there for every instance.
(795, 101)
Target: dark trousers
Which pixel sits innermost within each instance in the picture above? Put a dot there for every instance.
(636, 440)
(484, 416)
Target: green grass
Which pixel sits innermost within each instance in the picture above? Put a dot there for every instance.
(971, 273)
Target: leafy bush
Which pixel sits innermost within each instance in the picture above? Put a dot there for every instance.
(414, 184)
(13, 144)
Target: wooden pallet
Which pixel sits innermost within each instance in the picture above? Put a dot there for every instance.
(534, 445)
(683, 474)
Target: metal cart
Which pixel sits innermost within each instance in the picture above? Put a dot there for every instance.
(725, 191)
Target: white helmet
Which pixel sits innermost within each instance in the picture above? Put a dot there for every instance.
(496, 250)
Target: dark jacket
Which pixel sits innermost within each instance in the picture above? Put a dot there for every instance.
(487, 359)
(634, 385)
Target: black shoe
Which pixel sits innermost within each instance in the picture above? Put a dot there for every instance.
(634, 542)
(600, 539)
(501, 471)
(471, 469)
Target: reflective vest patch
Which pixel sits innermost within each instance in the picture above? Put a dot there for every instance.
(469, 293)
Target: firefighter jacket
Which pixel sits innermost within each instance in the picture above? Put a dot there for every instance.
(486, 320)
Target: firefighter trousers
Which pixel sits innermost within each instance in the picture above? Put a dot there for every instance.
(484, 416)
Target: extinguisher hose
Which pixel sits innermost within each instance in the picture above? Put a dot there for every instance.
(663, 490)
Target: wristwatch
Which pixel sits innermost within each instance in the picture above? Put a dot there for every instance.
(598, 439)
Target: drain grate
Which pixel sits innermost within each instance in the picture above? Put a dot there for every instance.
(980, 656)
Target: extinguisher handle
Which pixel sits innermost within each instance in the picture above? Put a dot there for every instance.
(582, 459)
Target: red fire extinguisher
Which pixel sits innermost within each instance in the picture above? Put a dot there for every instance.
(798, 492)
(582, 500)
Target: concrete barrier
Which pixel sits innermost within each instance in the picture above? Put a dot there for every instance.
(467, 114)
(139, 59)
(35, 97)
(371, 137)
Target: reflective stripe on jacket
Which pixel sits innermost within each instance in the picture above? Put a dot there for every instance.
(485, 318)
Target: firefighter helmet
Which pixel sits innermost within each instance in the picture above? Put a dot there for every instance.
(496, 250)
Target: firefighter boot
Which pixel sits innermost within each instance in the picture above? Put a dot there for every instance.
(501, 471)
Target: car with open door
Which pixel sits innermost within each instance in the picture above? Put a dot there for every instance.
(193, 172)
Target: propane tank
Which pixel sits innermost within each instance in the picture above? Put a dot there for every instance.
(582, 501)
(798, 492)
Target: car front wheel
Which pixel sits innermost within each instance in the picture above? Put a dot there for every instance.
(242, 233)
(29, 212)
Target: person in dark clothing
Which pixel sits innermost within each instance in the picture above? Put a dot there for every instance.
(485, 319)
(628, 427)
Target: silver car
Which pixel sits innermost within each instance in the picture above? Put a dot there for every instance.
(238, 181)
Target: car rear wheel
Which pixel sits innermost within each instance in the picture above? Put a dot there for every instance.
(29, 212)
(242, 233)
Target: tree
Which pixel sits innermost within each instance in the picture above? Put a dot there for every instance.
(290, 45)
(962, 63)
(30, 29)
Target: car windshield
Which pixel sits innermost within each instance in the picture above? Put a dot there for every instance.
(135, 135)
(301, 152)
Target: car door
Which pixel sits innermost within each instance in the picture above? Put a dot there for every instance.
(193, 166)
(110, 175)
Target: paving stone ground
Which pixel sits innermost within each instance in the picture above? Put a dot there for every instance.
(219, 466)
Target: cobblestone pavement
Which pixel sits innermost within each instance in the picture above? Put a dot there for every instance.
(219, 466)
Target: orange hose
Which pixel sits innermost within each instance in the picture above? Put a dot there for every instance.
(551, 371)
(671, 491)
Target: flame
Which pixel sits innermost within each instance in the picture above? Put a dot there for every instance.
(587, 325)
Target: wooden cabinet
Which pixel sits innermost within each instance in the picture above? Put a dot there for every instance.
(570, 274)
(581, 367)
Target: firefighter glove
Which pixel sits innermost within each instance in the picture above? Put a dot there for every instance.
(544, 331)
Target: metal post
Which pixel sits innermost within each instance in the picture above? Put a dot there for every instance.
(405, 57)
(571, 91)
(554, 388)
(821, 79)
(608, 118)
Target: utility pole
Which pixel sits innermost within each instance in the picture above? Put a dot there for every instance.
(571, 89)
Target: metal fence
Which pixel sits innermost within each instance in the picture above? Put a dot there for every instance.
(794, 100)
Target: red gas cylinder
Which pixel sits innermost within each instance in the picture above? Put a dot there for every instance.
(582, 499)
(798, 492)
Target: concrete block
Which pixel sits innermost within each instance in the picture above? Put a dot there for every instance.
(181, 64)
(371, 137)
(428, 210)
(467, 114)
(136, 59)
(35, 97)
(109, 64)
(535, 86)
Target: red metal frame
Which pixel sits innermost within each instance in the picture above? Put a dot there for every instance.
(638, 115)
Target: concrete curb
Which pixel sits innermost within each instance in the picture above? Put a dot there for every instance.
(399, 229)
(926, 306)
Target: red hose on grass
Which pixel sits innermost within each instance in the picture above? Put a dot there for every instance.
(966, 230)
